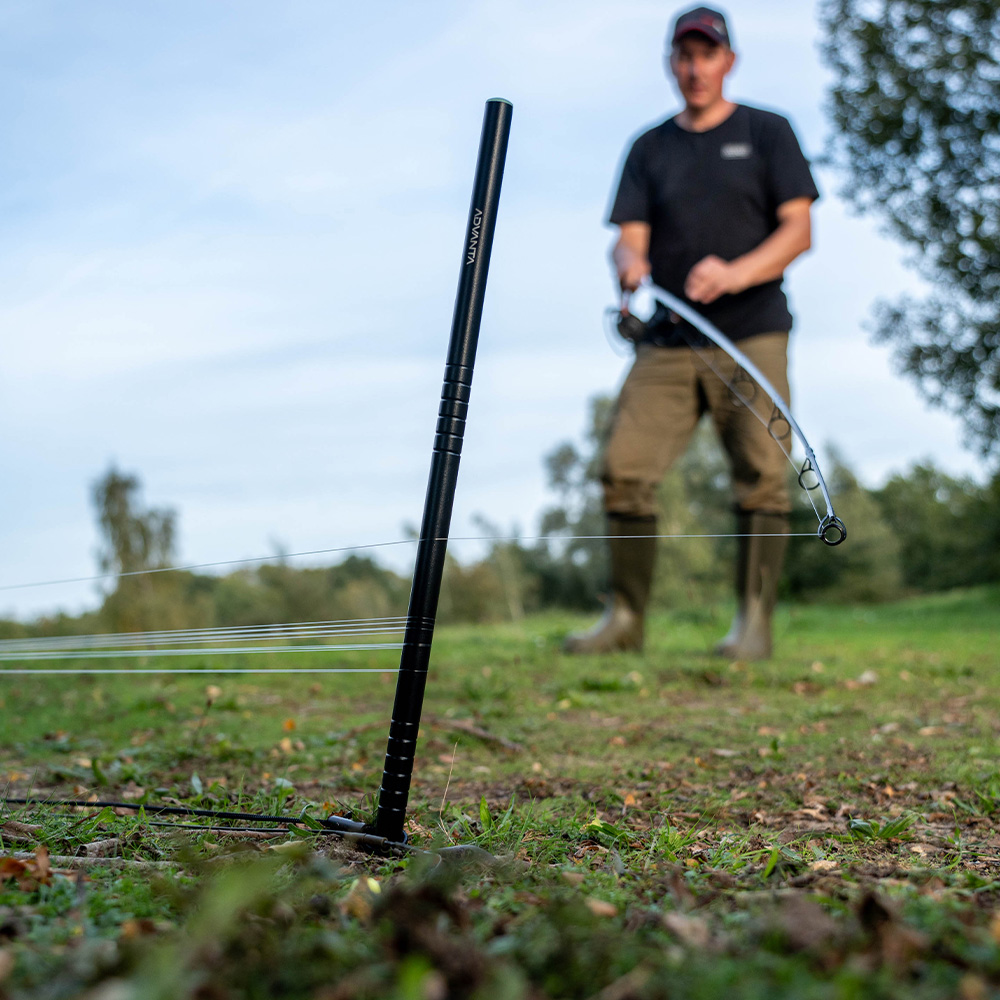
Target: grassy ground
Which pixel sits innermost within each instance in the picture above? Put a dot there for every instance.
(667, 825)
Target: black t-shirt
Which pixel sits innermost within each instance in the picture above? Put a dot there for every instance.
(715, 192)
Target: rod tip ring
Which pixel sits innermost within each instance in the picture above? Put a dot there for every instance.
(832, 530)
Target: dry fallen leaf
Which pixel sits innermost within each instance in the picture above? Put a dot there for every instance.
(39, 865)
(824, 865)
(806, 925)
(973, 987)
(602, 908)
(692, 931)
(30, 872)
(892, 941)
(360, 898)
(136, 928)
(12, 868)
(812, 812)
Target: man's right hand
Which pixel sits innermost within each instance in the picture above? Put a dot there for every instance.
(631, 273)
(631, 255)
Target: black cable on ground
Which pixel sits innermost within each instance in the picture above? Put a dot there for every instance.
(159, 810)
(352, 831)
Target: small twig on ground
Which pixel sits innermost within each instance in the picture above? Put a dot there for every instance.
(65, 861)
(19, 832)
(196, 731)
(100, 848)
(444, 797)
(473, 730)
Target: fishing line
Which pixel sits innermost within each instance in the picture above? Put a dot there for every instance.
(351, 548)
(202, 670)
(121, 645)
(298, 630)
(90, 654)
(208, 565)
(43, 653)
(598, 538)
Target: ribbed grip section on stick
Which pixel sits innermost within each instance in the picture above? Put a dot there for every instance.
(454, 409)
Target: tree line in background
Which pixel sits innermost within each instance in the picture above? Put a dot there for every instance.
(922, 531)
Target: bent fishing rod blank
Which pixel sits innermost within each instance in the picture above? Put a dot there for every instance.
(831, 529)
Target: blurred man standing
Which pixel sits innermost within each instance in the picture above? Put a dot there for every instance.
(713, 204)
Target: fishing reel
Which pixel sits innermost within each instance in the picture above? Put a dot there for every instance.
(623, 322)
(624, 330)
(627, 324)
(630, 327)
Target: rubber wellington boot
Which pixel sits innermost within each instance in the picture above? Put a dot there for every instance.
(759, 558)
(632, 548)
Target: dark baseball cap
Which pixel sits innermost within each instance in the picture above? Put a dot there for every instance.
(705, 21)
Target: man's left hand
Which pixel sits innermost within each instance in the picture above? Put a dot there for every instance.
(711, 278)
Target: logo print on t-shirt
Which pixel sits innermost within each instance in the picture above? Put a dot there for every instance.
(736, 151)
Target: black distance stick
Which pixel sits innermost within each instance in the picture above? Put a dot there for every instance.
(433, 544)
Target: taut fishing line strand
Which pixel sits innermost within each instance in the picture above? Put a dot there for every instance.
(173, 637)
(90, 654)
(376, 545)
(206, 565)
(200, 670)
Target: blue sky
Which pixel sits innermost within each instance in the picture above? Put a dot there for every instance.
(232, 233)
